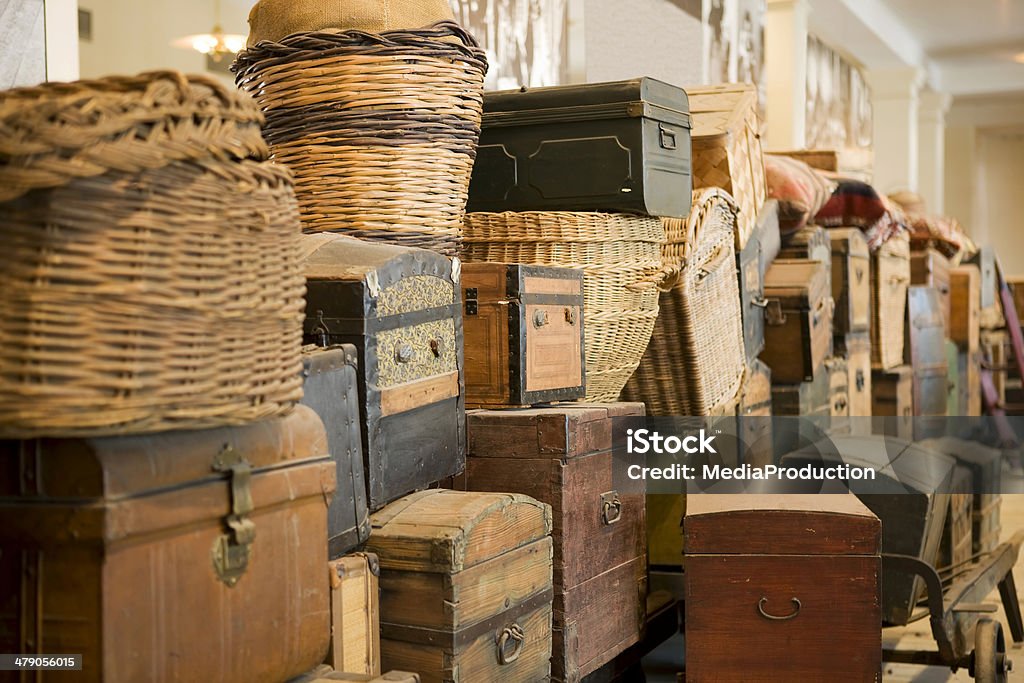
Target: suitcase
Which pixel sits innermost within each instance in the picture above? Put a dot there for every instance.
(562, 456)
(191, 555)
(331, 389)
(890, 277)
(839, 395)
(990, 314)
(930, 268)
(401, 308)
(851, 281)
(965, 311)
(753, 262)
(892, 398)
(727, 148)
(812, 243)
(765, 579)
(620, 147)
(956, 549)
(910, 497)
(465, 582)
(798, 319)
(755, 413)
(523, 329)
(926, 354)
(355, 614)
(856, 349)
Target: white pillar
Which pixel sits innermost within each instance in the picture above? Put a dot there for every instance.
(61, 40)
(894, 98)
(785, 61)
(931, 153)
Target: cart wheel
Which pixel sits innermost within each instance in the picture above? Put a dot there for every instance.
(989, 663)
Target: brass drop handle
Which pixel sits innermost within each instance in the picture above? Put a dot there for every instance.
(611, 508)
(435, 348)
(760, 302)
(540, 318)
(570, 316)
(510, 644)
(786, 617)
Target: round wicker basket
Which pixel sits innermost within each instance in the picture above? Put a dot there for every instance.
(621, 259)
(152, 275)
(380, 131)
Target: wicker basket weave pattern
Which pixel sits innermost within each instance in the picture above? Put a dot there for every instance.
(621, 259)
(380, 131)
(152, 277)
(695, 362)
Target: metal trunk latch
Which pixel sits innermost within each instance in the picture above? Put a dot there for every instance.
(472, 301)
(232, 551)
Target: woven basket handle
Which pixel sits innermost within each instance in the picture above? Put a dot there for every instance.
(711, 266)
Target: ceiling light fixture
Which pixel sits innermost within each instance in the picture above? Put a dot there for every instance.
(216, 43)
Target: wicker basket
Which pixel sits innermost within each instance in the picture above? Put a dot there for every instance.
(380, 131)
(151, 278)
(621, 259)
(727, 149)
(695, 362)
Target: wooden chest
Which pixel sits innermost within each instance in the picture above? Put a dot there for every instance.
(465, 583)
(953, 391)
(524, 334)
(926, 353)
(970, 392)
(400, 308)
(331, 388)
(892, 398)
(755, 413)
(839, 395)
(355, 614)
(170, 556)
(930, 268)
(994, 346)
(1017, 289)
(798, 319)
(807, 399)
(956, 548)
(727, 148)
(753, 262)
(562, 456)
(986, 526)
(890, 277)
(990, 315)
(781, 588)
(851, 281)
(813, 243)
(856, 349)
(964, 305)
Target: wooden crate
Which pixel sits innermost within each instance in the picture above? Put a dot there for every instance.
(964, 303)
(890, 277)
(987, 526)
(956, 548)
(355, 614)
(851, 281)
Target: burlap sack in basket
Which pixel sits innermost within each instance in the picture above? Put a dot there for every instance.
(274, 19)
(695, 362)
(151, 275)
(380, 130)
(621, 259)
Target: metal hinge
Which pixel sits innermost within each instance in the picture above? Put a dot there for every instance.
(232, 551)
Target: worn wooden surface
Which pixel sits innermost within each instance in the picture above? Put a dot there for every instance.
(929, 267)
(798, 320)
(355, 615)
(926, 353)
(964, 305)
(890, 277)
(851, 281)
(856, 348)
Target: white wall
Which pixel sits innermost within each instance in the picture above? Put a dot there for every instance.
(630, 38)
(998, 208)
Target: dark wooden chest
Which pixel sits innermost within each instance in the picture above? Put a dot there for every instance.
(523, 330)
(562, 456)
(171, 556)
(401, 309)
(331, 388)
(851, 281)
(780, 588)
(621, 147)
(798, 319)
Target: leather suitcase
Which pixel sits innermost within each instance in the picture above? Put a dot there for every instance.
(781, 588)
(523, 333)
(401, 308)
(355, 614)
(926, 354)
(930, 268)
(856, 349)
(839, 395)
(753, 262)
(851, 281)
(465, 583)
(964, 305)
(331, 389)
(727, 149)
(990, 314)
(755, 413)
(798, 319)
(910, 497)
(562, 456)
(616, 147)
(890, 277)
(892, 398)
(956, 549)
(173, 556)
(812, 243)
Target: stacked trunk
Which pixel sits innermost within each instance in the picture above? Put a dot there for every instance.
(926, 354)
(964, 331)
(851, 291)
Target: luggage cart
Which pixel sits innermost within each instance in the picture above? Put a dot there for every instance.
(964, 637)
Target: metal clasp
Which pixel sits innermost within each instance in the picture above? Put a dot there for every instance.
(611, 507)
(232, 551)
(667, 137)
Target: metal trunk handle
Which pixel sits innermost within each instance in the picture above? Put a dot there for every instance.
(786, 617)
(510, 644)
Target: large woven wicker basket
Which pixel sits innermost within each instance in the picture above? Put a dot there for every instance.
(151, 279)
(695, 362)
(380, 131)
(621, 259)
(727, 149)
